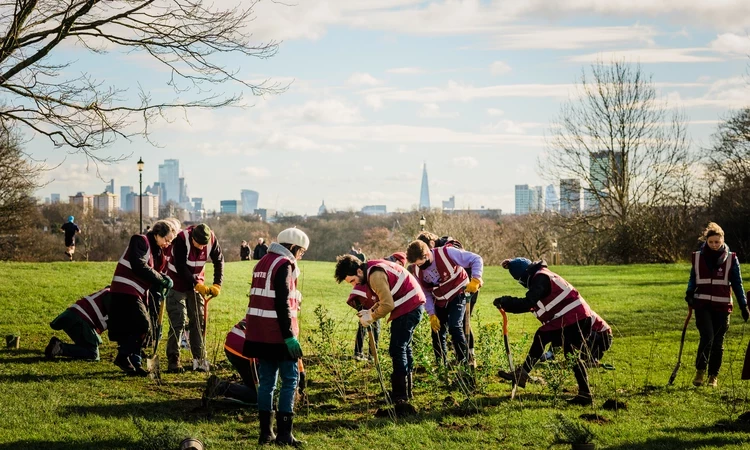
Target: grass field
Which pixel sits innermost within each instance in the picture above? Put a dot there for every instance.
(87, 405)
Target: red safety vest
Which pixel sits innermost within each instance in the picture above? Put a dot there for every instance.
(599, 325)
(91, 309)
(562, 307)
(196, 260)
(453, 278)
(262, 323)
(405, 289)
(361, 297)
(713, 288)
(126, 282)
(236, 339)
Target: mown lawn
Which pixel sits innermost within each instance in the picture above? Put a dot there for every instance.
(80, 405)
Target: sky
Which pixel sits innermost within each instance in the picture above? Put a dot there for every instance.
(377, 89)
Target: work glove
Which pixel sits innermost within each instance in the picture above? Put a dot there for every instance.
(499, 302)
(215, 290)
(474, 285)
(365, 317)
(745, 313)
(434, 323)
(292, 345)
(202, 289)
(166, 282)
(689, 300)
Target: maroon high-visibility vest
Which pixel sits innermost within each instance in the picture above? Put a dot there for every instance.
(125, 281)
(599, 325)
(562, 307)
(361, 297)
(453, 278)
(261, 318)
(91, 309)
(405, 289)
(235, 340)
(712, 287)
(196, 260)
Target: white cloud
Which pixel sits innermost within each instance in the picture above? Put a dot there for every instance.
(731, 43)
(499, 68)
(406, 70)
(649, 55)
(726, 93)
(511, 127)
(465, 161)
(362, 79)
(257, 172)
(495, 112)
(567, 38)
(455, 91)
(432, 111)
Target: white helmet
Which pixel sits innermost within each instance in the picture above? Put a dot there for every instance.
(294, 236)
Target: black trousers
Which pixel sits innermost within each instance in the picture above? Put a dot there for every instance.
(712, 326)
(129, 322)
(245, 391)
(571, 339)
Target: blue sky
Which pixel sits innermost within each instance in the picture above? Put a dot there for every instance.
(379, 88)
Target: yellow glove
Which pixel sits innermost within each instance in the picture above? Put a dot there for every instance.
(473, 285)
(214, 290)
(434, 323)
(202, 289)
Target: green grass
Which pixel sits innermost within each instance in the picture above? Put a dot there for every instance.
(74, 405)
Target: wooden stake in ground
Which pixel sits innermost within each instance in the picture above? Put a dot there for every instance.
(682, 344)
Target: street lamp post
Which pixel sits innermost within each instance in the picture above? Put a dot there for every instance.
(140, 194)
(422, 222)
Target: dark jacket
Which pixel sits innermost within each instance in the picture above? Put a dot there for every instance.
(244, 252)
(260, 251)
(538, 288)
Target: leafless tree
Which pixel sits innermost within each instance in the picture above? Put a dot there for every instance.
(19, 177)
(191, 38)
(624, 144)
(728, 170)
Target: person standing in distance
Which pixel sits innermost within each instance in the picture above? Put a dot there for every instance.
(70, 229)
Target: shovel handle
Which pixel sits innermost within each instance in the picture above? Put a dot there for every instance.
(505, 321)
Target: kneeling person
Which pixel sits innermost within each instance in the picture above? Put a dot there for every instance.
(390, 289)
(84, 321)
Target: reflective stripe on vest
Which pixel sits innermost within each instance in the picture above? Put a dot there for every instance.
(708, 279)
(562, 300)
(235, 341)
(125, 281)
(405, 289)
(261, 316)
(452, 277)
(91, 308)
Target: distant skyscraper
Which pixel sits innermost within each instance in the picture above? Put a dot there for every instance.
(450, 203)
(110, 188)
(124, 191)
(169, 178)
(197, 203)
(233, 207)
(551, 201)
(536, 204)
(54, 198)
(424, 195)
(523, 198)
(604, 169)
(249, 201)
(570, 196)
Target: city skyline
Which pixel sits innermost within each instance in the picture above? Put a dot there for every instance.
(375, 90)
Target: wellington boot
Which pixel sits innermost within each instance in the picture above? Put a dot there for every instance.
(520, 376)
(285, 425)
(266, 428)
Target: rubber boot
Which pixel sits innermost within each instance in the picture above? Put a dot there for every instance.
(284, 425)
(698, 380)
(54, 348)
(266, 428)
(399, 384)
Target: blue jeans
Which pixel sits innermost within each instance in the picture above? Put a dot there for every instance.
(402, 331)
(268, 373)
(451, 320)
